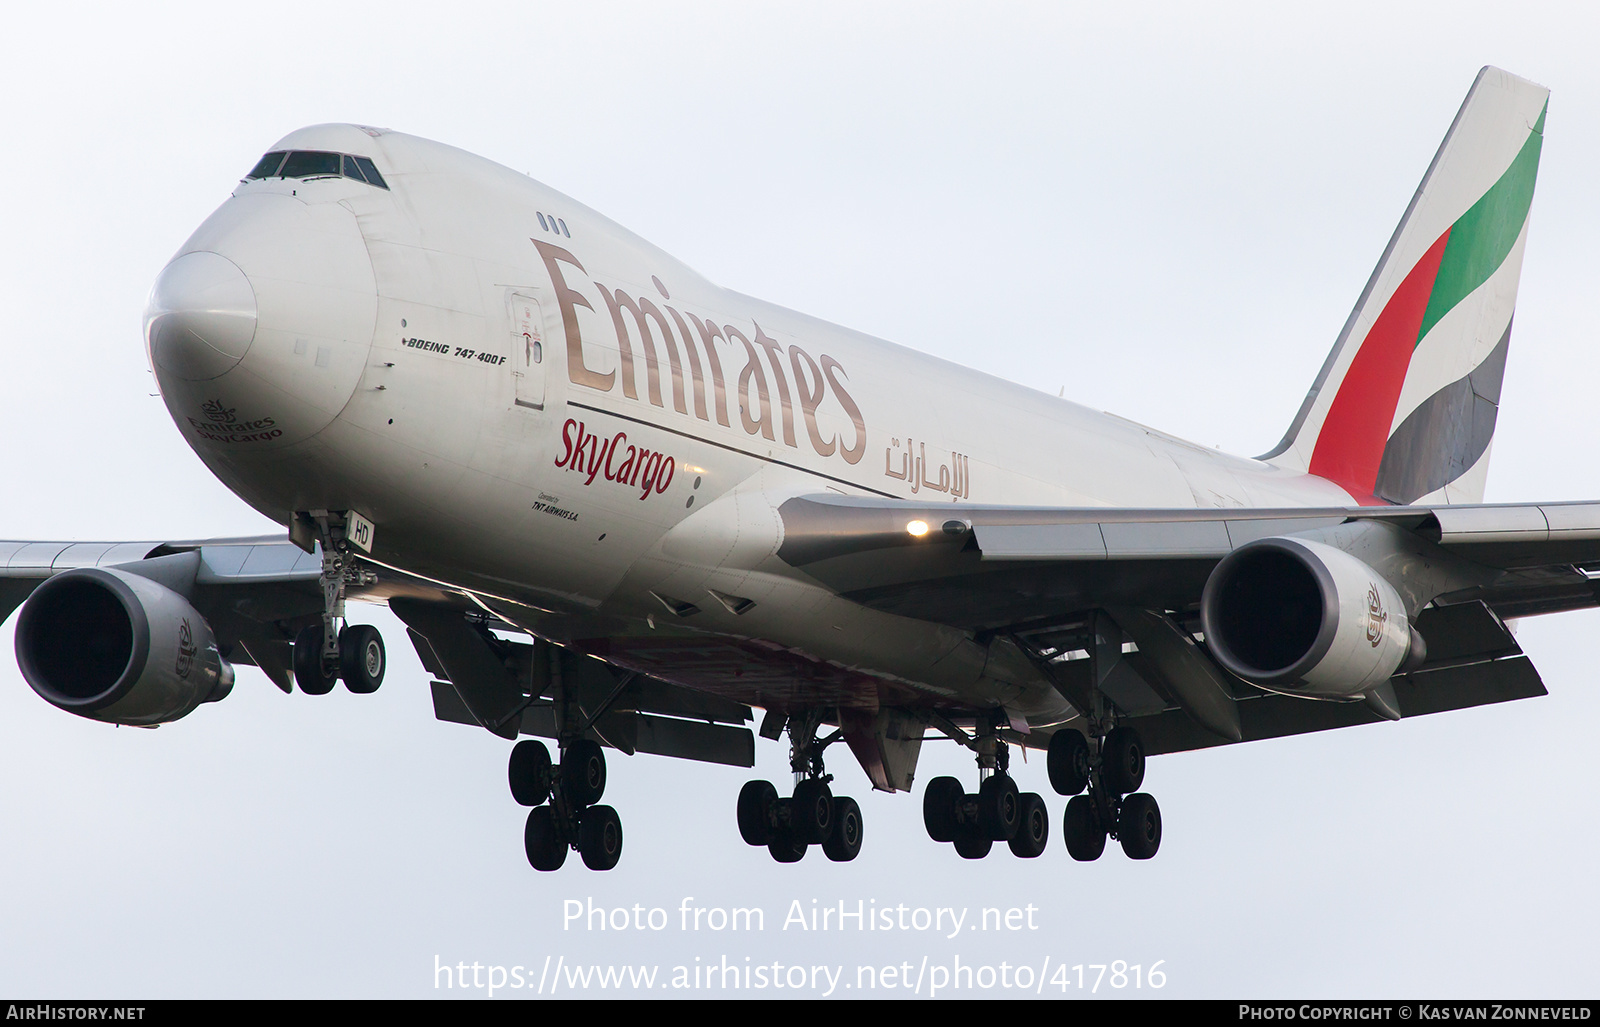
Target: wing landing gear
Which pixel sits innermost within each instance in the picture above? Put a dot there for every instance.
(1097, 762)
(565, 795)
(1112, 806)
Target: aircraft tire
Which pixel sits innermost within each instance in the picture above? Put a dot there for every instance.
(812, 818)
(785, 848)
(1139, 826)
(309, 672)
(844, 844)
(583, 772)
(542, 842)
(528, 772)
(1122, 760)
(756, 802)
(1033, 827)
(999, 807)
(361, 658)
(600, 837)
(1081, 830)
(939, 802)
(972, 843)
(1068, 762)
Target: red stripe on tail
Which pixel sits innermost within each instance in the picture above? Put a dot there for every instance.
(1350, 446)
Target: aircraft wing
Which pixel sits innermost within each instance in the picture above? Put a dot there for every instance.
(987, 568)
(1062, 582)
(257, 593)
(1057, 582)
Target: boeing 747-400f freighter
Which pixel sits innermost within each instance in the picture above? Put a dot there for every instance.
(619, 507)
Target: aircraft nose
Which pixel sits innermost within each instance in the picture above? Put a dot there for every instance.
(258, 331)
(201, 317)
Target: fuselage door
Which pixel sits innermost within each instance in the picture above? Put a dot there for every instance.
(528, 350)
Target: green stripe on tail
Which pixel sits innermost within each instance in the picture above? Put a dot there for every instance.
(1483, 236)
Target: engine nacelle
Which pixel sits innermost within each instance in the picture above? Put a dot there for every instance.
(113, 646)
(1301, 616)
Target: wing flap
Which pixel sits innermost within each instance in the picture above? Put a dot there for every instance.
(627, 730)
(1265, 715)
(659, 736)
(1522, 536)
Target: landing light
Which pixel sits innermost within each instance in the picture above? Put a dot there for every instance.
(918, 528)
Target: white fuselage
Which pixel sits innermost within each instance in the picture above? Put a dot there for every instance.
(532, 403)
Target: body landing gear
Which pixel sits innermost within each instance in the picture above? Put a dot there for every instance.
(812, 816)
(998, 812)
(1112, 806)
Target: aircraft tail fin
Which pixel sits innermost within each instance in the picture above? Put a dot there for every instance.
(1404, 408)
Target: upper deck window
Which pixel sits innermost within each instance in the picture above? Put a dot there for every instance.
(316, 164)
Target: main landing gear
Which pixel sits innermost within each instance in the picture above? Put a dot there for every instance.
(998, 812)
(563, 797)
(813, 815)
(325, 654)
(1112, 806)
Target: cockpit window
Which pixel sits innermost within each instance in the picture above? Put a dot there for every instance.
(371, 171)
(268, 165)
(317, 163)
(307, 163)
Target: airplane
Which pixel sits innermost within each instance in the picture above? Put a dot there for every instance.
(619, 507)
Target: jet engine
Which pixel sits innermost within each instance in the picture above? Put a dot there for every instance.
(1300, 616)
(113, 646)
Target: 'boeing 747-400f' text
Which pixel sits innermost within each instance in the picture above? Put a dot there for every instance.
(618, 507)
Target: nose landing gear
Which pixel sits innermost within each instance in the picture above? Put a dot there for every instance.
(361, 658)
(360, 662)
(323, 655)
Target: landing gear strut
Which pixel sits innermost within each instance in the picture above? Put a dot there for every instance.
(813, 815)
(325, 652)
(998, 812)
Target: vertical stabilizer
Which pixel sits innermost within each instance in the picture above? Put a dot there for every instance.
(1404, 408)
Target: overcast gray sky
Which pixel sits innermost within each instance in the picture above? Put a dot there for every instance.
(1168, 215)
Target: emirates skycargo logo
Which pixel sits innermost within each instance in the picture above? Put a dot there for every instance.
(220, 425)
(1377, 617)
(615, 459)
(186, 649)
(665, 356)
